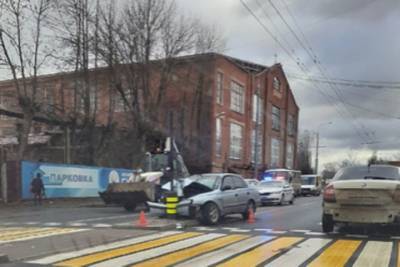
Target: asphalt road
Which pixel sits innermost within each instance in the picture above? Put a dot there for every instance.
(50, 233)
(304, 214)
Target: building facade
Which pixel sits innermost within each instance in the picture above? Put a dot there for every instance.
(225, 114)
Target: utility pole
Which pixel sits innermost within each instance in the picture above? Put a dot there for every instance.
(317, 145)
(316, 153)
(256, 133)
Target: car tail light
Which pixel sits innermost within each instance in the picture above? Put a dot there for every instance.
(396, 194)
(329, 194)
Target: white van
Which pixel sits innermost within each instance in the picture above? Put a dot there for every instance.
(311, 184)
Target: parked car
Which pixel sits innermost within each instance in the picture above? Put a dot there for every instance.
(208, 197)
(311, 184)
(364, 194)
(275, 192)
(252, 182)
(291, 177)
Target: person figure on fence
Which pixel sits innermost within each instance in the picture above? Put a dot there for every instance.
(37, 189)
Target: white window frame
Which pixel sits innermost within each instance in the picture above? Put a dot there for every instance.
(220, 88)
(275, 152)
(218, 137)
(276, 84)
(276, 118)
(237, 97)
(236, 141)
(119, 103)
(257, 107)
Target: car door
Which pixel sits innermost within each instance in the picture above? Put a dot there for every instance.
(288, 192)
(242, 192)
(228, 197)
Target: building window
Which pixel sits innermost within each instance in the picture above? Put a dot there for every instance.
(220, 88)
(259, 146)
(119, 103)
(291, 126)
(276, 118)
(289, 156)
(257, 107)
(236, 141)
(275, 152)
(218, 137)
(276, 84)
(93, 97)
(237, 97)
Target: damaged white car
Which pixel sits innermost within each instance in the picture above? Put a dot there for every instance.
(208, 197)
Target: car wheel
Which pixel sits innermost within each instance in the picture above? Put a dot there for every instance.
(327, 223)
(210, 213)
(250, 205)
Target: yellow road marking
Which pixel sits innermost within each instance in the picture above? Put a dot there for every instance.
(23, 232)
(37, 234)
(181, 255)
(16, 230)
(337, 254)
(105, 255)
(261, 253)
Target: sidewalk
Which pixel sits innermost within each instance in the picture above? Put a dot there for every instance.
(56, 203)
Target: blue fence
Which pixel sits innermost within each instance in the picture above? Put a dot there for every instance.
(61, 180)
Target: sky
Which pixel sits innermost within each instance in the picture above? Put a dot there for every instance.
(356, 40)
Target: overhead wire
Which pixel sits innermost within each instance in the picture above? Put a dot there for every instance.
(300, 65)
(320, 67)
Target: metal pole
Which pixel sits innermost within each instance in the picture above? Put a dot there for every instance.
(316, 153)
(256, 143)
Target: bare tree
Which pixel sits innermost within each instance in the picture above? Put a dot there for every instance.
(304, 153)
(24, 50)
(209, 39)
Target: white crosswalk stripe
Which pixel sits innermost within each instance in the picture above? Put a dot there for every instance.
(67, 255)
(126, 260)
(375, 253)
(187, 249)
(300, 253)
(219, 255)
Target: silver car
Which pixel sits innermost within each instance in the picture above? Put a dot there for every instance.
(211, 196)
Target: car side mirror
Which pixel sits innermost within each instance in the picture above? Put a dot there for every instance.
(226, 187)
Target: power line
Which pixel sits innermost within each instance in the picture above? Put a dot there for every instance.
(350, 83)
(315, 60)
(301, 66)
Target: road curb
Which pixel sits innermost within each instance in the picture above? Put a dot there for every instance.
(169, 226)
(4, 259)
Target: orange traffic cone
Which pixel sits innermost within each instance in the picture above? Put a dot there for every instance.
(142, 219)
(252, 218)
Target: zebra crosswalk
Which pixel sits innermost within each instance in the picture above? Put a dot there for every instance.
(191, 248)
(13, 234)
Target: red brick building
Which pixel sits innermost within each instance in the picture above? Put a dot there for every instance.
(209, 107)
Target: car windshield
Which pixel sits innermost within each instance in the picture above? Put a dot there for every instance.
(365, 172)
(211, 181)
(271, 184)
(308, 180)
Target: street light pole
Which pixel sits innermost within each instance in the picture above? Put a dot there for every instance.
(256, 141)
(316, 154)
(317, 146)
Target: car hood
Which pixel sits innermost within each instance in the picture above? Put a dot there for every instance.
(262, 190)
(306, 186)
(195, 189)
